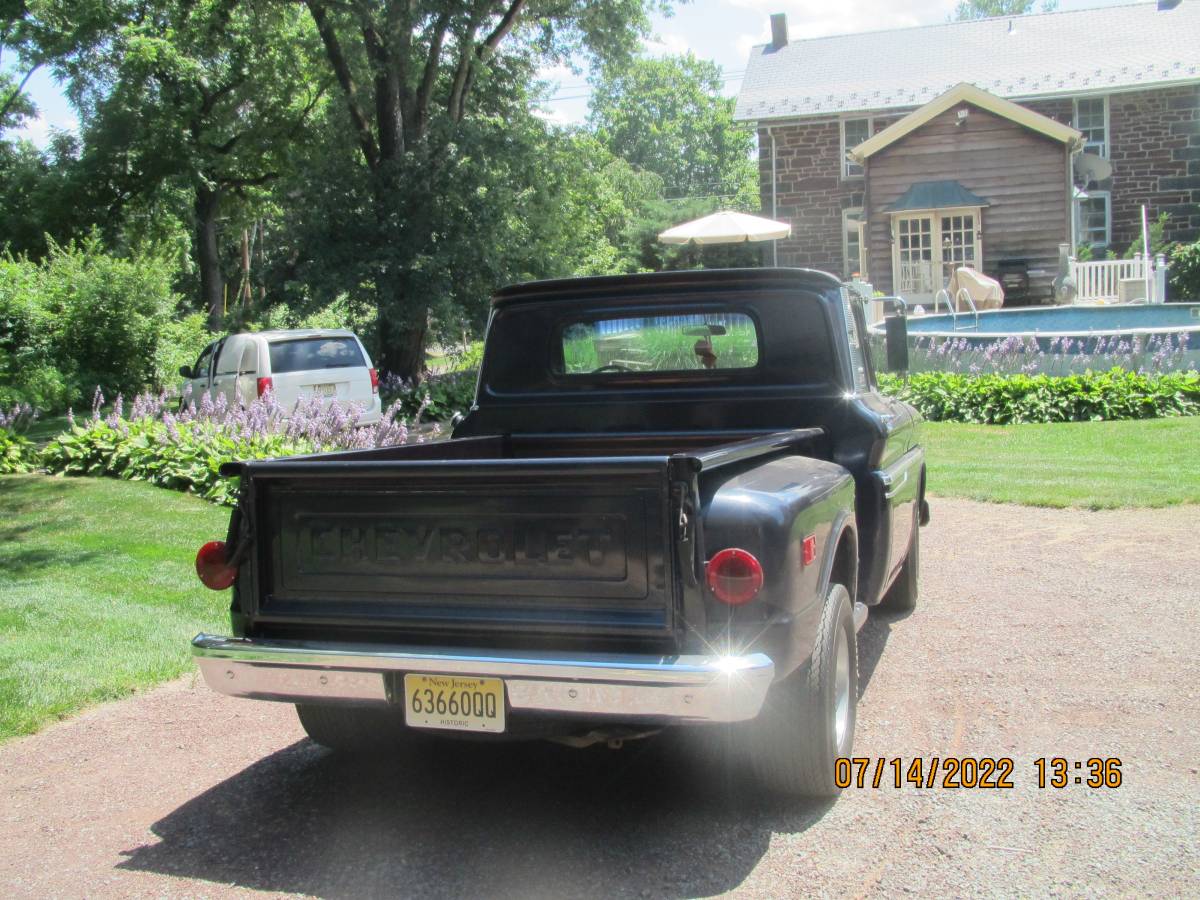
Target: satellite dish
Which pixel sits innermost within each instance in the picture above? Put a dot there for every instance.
(1089, 167)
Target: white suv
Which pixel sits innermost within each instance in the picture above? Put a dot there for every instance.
(293, 365)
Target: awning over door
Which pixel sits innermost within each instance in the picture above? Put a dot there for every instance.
(935, 195)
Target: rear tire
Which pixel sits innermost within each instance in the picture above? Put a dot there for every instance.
(353, 729)
(808, 719)
(902, 595)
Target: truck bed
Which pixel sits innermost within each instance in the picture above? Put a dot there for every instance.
(506, 537)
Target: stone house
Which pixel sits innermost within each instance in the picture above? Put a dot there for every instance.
(902, 154)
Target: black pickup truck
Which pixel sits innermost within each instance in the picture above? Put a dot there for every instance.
(673, 503)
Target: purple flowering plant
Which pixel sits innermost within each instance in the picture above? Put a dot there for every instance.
(1025, 355)
(181, 444)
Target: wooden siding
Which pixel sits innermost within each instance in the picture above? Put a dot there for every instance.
(1022, 174)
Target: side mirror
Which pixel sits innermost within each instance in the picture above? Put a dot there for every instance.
(186, 371)
(896, 341)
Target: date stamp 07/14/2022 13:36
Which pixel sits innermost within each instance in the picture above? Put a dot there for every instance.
(986, 772)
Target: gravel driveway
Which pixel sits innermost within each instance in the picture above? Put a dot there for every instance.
(1040, 633)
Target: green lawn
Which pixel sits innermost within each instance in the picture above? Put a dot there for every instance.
(98, 594)
(1155, 462)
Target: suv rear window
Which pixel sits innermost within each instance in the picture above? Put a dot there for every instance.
(305, 354)
(660, 344)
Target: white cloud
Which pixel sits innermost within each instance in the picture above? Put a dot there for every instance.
(557, 74)
(666, 45)
(40, 129)
(554, 116)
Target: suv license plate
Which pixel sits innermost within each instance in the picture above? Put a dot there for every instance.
(324, 390)
(454, 703)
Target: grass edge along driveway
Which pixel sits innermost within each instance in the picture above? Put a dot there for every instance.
(98, 594)
(1096, 465)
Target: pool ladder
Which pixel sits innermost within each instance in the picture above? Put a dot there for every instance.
(944, 296)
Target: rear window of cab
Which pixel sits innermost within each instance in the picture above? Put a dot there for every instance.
(670, 343)
(307, 354)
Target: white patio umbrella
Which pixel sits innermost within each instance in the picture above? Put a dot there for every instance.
(726, 227)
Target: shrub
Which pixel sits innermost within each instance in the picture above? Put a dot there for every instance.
(16, 452)
(28, 373)
(438, 397)
(179, 343)
(185, 451)
(1158, 239)
(81, 318)
(109, 312)
(1184, 272)
(1010, 399)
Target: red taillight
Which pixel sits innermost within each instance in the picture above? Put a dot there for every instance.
(734, 576)
(212, 565)
(265, 384)
(374, 381)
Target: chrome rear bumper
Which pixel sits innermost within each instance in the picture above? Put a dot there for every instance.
(672, 688)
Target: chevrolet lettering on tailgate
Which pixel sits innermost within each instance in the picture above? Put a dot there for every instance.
(325, 545)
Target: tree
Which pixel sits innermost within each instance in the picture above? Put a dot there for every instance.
(14, 36)
(520, 199)
(211, 95)
(668, 116)
(423, 83)
(986, 9)
(37, 195)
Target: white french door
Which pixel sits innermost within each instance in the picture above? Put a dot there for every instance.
(913, 258)
(928, 247)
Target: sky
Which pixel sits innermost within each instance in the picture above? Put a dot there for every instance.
(720, 30)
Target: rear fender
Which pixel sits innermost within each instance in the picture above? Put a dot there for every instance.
(770, 510)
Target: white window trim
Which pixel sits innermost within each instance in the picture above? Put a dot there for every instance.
(1093, 195)
(844, 174)
(1107, 128)
(855, 213)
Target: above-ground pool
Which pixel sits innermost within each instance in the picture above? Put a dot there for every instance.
(1159, 337)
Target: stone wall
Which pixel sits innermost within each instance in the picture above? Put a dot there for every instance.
(1154, 147)
(811, 192)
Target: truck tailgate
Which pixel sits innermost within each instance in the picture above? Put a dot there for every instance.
(535, 545)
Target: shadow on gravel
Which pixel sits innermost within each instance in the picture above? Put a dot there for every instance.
(871, 640)
(656, 818)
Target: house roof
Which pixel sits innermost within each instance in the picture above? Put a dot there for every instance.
(967, 93)
(935, 195)
(1090, 50)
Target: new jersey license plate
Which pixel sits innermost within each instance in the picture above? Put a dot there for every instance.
(323, 390)
(454, 702)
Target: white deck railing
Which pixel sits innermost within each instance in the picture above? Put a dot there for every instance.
(1101, 279)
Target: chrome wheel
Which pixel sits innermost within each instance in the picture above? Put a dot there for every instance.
(841, 689)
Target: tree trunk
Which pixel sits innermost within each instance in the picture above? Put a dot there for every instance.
(402, 334)
(403, 322)
(406, 354)
(208, 258)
